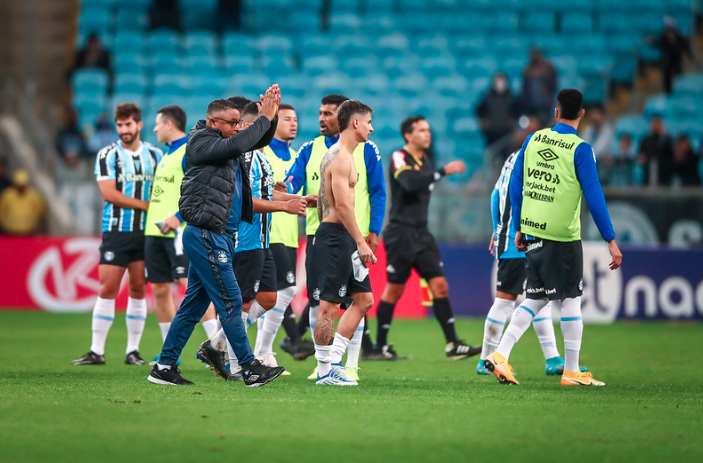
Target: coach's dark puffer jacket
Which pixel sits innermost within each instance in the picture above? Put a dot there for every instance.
(210, 177)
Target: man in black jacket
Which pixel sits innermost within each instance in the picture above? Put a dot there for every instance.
(213, 201)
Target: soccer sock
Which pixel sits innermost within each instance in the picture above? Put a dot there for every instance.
(218, 340)
(544, 328)
(255, 311)
(354, 346)
(233, 360)
(164, 330)
(519, 324)
(312, 316)
(324, 362)
(103, 316)
(572, 329)
(245, 319)
(366, 341)
(445, 317)
(339, 346)
(384, 316)
(273, 320)
(210, 327)
(136, 319)
(290, 325)
(495, 322)
(304, 322)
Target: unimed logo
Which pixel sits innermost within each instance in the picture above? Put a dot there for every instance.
(58, 287)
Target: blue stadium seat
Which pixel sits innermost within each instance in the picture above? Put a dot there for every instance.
(412, 23)
(314, 44)
(316, 65)
(539, 21)
(302, 20)
(410, 85)
(129, 63)
(468, 46)
(98, 3)
(131, 20)
(634, 125)
(171, 85)
(293, 87)
(649, 53)
(513, 67)
(332, 82)
(202, 65)
(689, 84)
(360, 66)
(465, 125)
(572, 23)
(128, 42)
(89, 81)
(572, 6)
(454, 85)
(164, 42)
(617, 22)
(439, 66)
(394, 41)
(212, 85)
(203, 42)
(594, 64)
(135, 4)
(509, 46)
(502, 21)
(161, 65)
(352, 46)
(95, 19)
(550, 44)
(622, 43)
(130, 83)
(623, 68)
(414, 5)
(684, 23)
(379, 24)
(431, 45)
(396, 66)
(276, 66)
(273, 43)
(481, 67)
(345, 22)
(239, 63)
(686, 106)
(118, 98)
(649, 23)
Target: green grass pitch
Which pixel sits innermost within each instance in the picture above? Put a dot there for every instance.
(426, 408)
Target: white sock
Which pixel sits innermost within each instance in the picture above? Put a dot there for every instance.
(572, 329)
(103, 316)
(544, 328)
(136, 319)
(313, 318)
(255, 311)
(272, 321)
(164, 330)
(210, 327)
(323, 355)
(354, 347)
(339, 346)
(218, 340)
(519, 324)
(233, 360)
(495, 322)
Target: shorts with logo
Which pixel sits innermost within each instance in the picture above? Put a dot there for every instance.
(122, 248)
(163, 265)
(410, 248)
(554, 269)
(511, 276)
(311, 271)
(255, 271)
(286, 260)
(335, 268)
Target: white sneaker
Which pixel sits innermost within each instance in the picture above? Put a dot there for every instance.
(269, 359)
(338, 376)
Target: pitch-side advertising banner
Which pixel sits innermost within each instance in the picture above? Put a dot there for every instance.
(60, 275)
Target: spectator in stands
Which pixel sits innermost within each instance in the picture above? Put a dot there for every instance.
(497, 111)
(70, 142)
(165, 14)
(656, 154)
(599, 133)
(93, 55)
(21, 206)
(539, 86)
(229, 14)
(621, 166)
(4, 177)
(685, 163)
(673, 46)
(104, 134)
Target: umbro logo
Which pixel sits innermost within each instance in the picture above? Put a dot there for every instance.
(548, 155)
(157, 191)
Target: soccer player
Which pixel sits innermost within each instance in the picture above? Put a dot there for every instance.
(213, 201)
(340, 248)
(124, 171)
(510, 280)
(284, 247)
(409, 243)
(552, 169)
(370, 201)
(163, 247)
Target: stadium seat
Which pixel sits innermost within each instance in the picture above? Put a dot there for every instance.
(440, 66)
(316, 65)
(212, 85)
(502, 21)
(650, 23)
(134, 4)
(622, 43)
(198, 43)
(201, 65)
(171, 85)
(302, 20)
(453, 85)
(360, 66)
(398, 66)
(118, 98)
(379, 24)
(594, 64)
(410, 85)
(161, 65)
(273, 43)
(163, 42)
(468, 46)
(686, 107)
(481, 67)
(131, 20)
(574, 23)
(649, 53)
(95, 19)
(239, 63)
(332, 82)
(276, 66)
(89, 80)
(543, 21)
(130, 42)
(411, 22)
(617, 22)
(634, 125)
(293, 86)
(507, 46)
(550, 44)
(130, 83)
(236, 42)
(345, 22)
(689, 84)
(352, 45)
(416, 6)
(623, 68)
(98, 3)
(465, 125)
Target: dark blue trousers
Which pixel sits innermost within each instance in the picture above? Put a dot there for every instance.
(210, 278)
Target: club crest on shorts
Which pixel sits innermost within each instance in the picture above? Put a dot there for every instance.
(316, 294)
(290, 277)
(109, 256)
(343, 291)
(222, 257)
(257, 284)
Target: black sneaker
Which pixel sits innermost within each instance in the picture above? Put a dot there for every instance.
(170, 377)
(133, 358)
(215, 357)
(383, 353)
(259, 374)
(460, 350)
(299, 350)
(91, 358)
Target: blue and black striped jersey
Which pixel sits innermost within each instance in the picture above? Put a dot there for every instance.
(255, 235)
(133, 172)
(501, 213)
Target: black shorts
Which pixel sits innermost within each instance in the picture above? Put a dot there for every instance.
(511, 276)
(410, 248)
(554, 269)
(311, 271)
(286, 260)
(122, 248)
(163, 265)
(334, 247)
(255, 271)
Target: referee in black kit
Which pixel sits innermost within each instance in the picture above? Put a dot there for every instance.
(409, 243)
